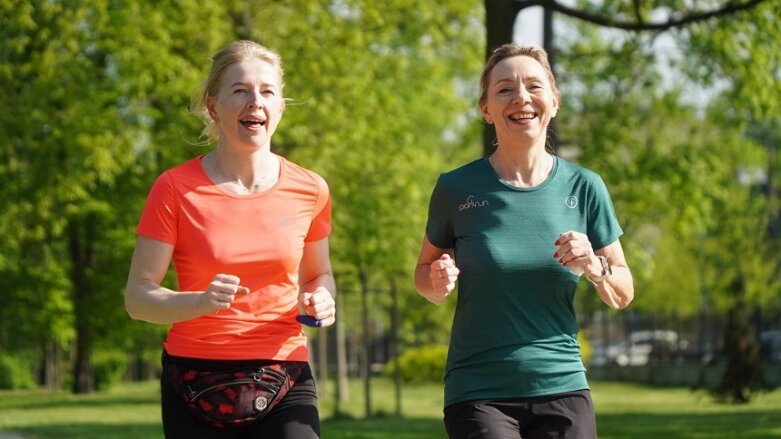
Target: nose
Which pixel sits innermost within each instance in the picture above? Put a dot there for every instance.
(523, 96)
(255, 101)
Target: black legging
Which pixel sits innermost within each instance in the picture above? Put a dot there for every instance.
(296, 416)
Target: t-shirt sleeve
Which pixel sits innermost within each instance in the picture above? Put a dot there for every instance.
(439, 228)
(603, 227)
(160, 215)
(321, 219)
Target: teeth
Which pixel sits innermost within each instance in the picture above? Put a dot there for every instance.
(522, 116)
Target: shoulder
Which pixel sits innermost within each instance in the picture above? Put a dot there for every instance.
(188, 169)
(301, 176)
(185, 174)
(468, 171)
(573, 171)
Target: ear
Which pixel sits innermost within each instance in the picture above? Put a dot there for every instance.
(486, 117)
(212, 112)
(555, 108)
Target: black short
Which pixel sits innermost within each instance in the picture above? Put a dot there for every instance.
(295, 417)
(565, 416)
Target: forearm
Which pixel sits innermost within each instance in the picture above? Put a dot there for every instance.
(617, 291)
(324, 280)
(424, 286)
(155, 304)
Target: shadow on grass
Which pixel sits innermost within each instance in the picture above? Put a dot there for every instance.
(93, 431)
(344, 428)
(100, 401)
(389, 427)
(753, 425)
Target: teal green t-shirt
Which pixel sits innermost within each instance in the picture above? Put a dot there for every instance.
(514, 332)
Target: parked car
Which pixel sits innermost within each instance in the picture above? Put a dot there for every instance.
(644, 347)
(770, 346)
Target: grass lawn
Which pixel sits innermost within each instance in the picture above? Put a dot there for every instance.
(624, 411)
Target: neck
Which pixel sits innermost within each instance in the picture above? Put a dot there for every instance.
(521, 169)
(244, 173)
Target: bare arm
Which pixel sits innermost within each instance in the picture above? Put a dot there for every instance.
(318, 288)
(146, 299)
(435, 273)
(617, 291)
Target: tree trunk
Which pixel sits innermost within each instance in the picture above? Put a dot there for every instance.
(366, 363)
(743, 375)
(342, 387)
(394, 344)
(499, 23)
(51, 372)
(81, 247)
(322, 354)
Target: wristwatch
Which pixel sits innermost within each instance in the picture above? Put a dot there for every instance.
(607, 271)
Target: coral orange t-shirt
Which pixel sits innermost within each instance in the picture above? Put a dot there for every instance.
(257, 237)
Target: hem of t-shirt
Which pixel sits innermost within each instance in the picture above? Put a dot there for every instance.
(480, 396)
(212, 354)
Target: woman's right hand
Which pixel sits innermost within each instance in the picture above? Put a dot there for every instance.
(443, 275)
(221, 292)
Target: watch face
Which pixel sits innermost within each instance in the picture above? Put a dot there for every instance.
(606, 265)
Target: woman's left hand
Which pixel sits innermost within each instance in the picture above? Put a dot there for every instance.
(320, 305)
(575, 252)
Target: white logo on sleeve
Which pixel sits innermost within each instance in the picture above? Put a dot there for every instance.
(571, 201)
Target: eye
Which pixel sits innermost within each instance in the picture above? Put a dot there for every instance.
(504, 90)
(239, 91)
(268, 92)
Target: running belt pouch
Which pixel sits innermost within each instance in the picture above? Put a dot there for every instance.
(236, 397)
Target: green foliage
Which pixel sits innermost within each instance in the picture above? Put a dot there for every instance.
(424, 364)
(585, 346)
(698, 232)
(15, 373)
(109, 367)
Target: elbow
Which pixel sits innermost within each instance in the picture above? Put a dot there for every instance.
(130, 306)
(624, 301)
(621, 305)
(434, 300)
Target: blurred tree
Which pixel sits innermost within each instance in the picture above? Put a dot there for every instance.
(679, 163)
(740, 58)
(95, 89)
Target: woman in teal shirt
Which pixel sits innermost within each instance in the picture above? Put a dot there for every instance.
(517, 229)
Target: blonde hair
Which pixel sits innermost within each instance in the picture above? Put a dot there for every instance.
(233, 53)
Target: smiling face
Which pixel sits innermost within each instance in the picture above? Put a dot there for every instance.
(519, 99)
(248, 104)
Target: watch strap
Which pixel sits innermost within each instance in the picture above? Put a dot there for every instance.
(607, 271)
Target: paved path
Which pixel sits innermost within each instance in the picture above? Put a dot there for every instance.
(9, 435)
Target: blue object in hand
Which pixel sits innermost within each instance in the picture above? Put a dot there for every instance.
(308, 321)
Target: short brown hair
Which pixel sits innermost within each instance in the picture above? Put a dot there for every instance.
(511, 50)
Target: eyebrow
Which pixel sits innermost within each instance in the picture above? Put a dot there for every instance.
(239, 83)
(529, 78)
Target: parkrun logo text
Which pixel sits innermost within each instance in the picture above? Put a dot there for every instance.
(471, 202)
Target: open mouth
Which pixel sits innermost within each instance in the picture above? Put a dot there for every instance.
(522, 116)
(254, 123)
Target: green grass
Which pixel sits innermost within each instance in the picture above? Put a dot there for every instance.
(624, 411)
